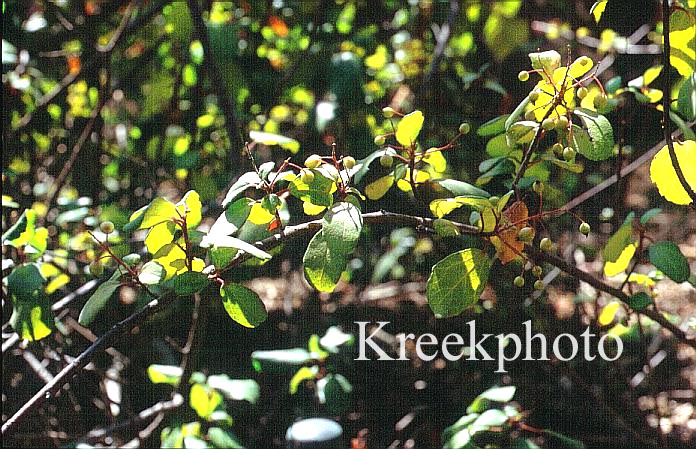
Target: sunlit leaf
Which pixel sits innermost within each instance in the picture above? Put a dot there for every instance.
(408, 128)
(608, 313)
(665, 177)
(243, 305)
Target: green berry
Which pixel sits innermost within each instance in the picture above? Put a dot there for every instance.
(546, 244)
(307, 176)
(539, 285)
(568, 154)
(529, 115)
(518, 281)
(464, 128)
(388, 112)
(313, 161)
(538, 186)
(494, 200)
(582, 92)
(348, 162)
(537, 271)
(379, 140)
(548, 124)
(600, 101)
(526, 234)
(562, 122)
(386, 160)
(557, 148)
(107, 227)
(132, 259)
(96, 268)
(584, 228)
(523, 76)
(534, 96)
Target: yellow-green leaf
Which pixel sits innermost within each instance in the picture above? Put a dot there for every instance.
(160, 210)
(377, 189)
(664, 176)
(408, 128)
(620, 265)
(243, 305)
(204, 400)
(190, 206)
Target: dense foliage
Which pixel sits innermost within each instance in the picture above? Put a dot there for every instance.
(162, 160)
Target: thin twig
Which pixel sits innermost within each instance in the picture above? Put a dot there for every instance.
(189, 352)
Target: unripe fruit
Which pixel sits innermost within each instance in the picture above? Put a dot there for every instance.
(600, 101)
(529, 115)
(546, 244)
(568, 154)
(548, 124)
(537, 271)
(518, 281)
(379, 140)
(523, 76)
(464, 128)
(563, 122)
(107, 227)
(534, 96)
(584, 228)
(307, 176)
(538, 186)
(131, 259)
(557, 148)
(526, 234)
(494, 200)
(539, 285)
(349, 162)
(313, 161)
(96, 268)
(388, 112)
(582, 92)
(386, 160)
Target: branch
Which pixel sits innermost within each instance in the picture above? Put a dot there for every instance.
(606, 288)
(666, 103)
(217, 81)
(199, 319)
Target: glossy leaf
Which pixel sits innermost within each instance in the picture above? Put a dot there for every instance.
(243, 305)
(99, 299)
(601, 135)
(409, 128)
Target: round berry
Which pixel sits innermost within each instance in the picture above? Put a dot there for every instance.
(557, 148)
(379, 140)
(529, 115)
(538, 186)
(562, 122)
(386, 160)
(582, 92)
(96, 268)
(523, 76)
(307, 176)
(349, 162)
(388, 112)
(518, 281)
(107, 227)
(537, 271)
(539, 285)
(568, 154)
(584, 228)
(494, 200)
(464, 128)
(526, 234)
(546, 244)
(534, 96)
(548, 124)
(313, 161)
(600, 101)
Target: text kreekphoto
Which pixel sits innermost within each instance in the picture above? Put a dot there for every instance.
(508, 348)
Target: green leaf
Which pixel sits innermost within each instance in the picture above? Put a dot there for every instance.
(493, 127)
(22, 231)
(686, 101)
(328, 251)
(151, 273)
(456, 282)
(601, 135)
(31, 311)
(640, 301)
(649, 215)
(667, 258)
(363, 166)
(517, 113)
(408, 128)
(319, 192)
(461, 188)
(334, 391)
(564, 441)
(235, 389)
(580, 141)
(618, 242)
(226, 241)
(243, 305)
(495, 394)
(187, 283)
(222, 438)
(99, 298)
(164, 374)
(246, 181)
